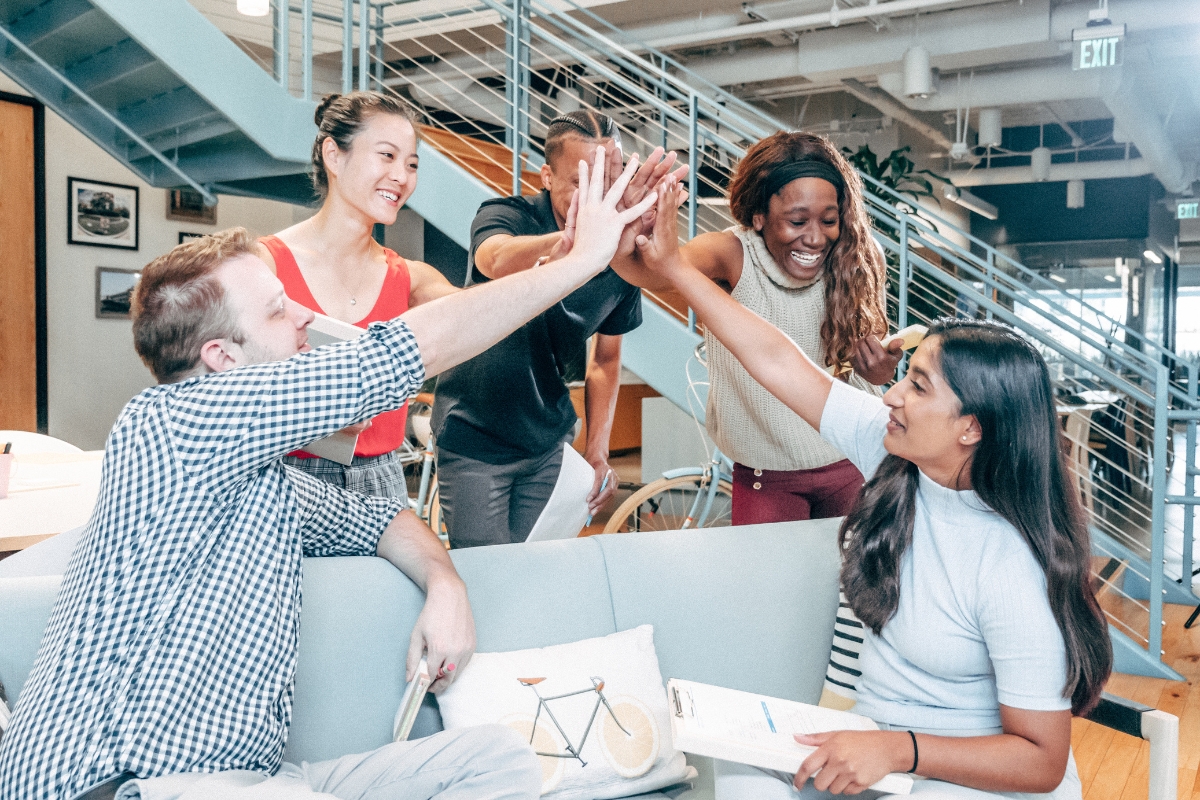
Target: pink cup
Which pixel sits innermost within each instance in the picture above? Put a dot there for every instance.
(6, 465)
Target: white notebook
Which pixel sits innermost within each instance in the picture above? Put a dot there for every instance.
(757, 730)
(325, 330)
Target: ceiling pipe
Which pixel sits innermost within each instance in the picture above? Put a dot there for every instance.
(1134, 115)
(968, 37)
(1075, 170)
(1139, 15)
(821, 19)
(1010, 87)
(885, 103)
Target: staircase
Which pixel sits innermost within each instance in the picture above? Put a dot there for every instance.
(488, 78)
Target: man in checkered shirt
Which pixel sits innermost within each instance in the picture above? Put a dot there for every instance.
(167, 665)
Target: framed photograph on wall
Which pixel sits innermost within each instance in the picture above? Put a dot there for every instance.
(187, 205)
(187, 236)
(114, 292)
(102, 214)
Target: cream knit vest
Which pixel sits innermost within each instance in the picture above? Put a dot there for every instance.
(744, 419)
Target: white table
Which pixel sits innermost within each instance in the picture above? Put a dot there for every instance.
(49, 493)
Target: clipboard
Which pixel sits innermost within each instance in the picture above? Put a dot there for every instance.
(757, 730)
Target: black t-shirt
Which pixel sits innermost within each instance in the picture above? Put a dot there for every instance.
(512, 402)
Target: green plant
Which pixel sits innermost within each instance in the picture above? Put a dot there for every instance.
(895, 172)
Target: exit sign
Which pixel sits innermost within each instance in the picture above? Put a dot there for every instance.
(1188, 210)
(1101, 46)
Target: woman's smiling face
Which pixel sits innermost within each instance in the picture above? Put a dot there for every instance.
(926, 425)
(378, 173)
(801, 226)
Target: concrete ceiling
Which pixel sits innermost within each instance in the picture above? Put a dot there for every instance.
(1010, 54)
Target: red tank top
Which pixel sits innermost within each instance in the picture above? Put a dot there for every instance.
(387, 430)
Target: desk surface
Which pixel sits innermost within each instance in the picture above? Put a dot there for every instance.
(49, 493)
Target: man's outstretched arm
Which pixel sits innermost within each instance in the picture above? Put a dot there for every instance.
(445, 630)
(452, 329)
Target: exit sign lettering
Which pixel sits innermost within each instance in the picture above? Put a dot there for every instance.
(1098, 46)
(1188, 210)
(1091, 53)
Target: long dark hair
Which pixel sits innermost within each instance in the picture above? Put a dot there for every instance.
(1018, 469)
(855, 272)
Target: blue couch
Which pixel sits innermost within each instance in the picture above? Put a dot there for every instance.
(750, 608)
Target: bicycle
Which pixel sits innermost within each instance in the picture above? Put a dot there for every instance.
(688, 497)
(418, 448)
(630, 747)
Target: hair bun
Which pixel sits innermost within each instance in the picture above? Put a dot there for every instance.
(323, 106)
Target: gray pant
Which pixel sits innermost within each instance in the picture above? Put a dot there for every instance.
(494, 503)
(487, 762)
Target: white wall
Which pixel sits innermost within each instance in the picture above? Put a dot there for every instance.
(93, 369)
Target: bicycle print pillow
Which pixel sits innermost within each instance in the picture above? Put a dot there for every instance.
(595, 711)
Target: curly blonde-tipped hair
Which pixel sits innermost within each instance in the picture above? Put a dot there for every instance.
(855, 272)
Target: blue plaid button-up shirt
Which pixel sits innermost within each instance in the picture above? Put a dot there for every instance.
(172, 644)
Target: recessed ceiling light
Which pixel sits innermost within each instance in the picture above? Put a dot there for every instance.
(1057, 277)
(1111, 278)
(1152, 256)
(254, 8)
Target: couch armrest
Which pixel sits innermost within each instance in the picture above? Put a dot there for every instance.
(1158, 728)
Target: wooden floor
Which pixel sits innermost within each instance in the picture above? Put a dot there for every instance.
(1114, 766)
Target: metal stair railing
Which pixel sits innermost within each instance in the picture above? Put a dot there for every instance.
(491, 75)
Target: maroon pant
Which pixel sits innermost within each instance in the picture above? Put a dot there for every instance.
(763, 495)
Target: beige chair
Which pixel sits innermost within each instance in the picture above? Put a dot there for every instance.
(25, 442)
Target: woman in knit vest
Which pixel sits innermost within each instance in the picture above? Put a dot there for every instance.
(802, 258)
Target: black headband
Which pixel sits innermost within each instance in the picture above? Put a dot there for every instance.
(789, 171)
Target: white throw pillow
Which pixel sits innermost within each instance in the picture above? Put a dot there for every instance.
(632, 757)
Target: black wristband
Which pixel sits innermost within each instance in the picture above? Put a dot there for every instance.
(913, 736)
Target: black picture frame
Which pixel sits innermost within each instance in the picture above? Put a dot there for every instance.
(102, 214)
(187, 236)
(114, 292)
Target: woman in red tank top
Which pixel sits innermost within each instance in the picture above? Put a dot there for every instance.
(365, 168)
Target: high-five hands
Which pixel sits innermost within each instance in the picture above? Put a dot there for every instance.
(598, 221)
(659, 251)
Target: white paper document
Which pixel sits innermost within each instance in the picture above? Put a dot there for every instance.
(757, 730)
(325, 330)
(565, 513)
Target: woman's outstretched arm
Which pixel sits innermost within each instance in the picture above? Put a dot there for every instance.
(765, 351)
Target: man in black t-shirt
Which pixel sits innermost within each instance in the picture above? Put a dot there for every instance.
(501, 418)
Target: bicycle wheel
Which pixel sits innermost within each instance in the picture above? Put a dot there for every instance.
(435, 513)
(631, 752)
(665, 505)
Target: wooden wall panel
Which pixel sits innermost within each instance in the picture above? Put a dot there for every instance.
(18, 253)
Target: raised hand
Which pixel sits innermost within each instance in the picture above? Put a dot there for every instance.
(598, 222)
(658, 250)
(649, 175)
(874, 362)
(567, 240)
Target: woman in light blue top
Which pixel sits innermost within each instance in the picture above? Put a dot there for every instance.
(966, 557)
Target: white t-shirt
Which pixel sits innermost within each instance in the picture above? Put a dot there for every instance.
(973, 628)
